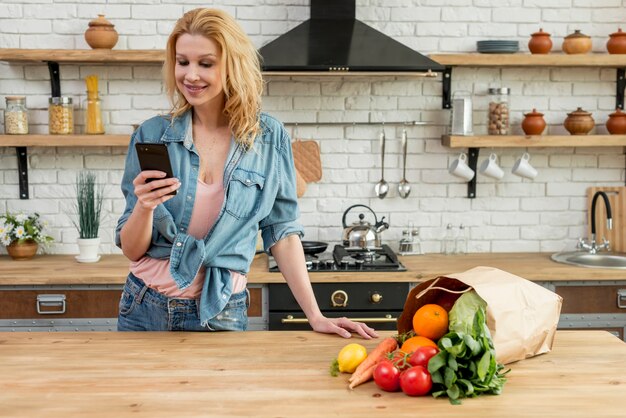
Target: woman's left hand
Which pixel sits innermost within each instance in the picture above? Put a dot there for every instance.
(342, 326)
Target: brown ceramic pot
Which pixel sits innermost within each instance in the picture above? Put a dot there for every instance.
(22, 251)
(617, 42)
(616, 125)
(101, 34)
(533, 123)
(540, 42)
(577, 43)
(579, 122)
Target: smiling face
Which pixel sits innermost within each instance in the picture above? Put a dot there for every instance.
(198, 71)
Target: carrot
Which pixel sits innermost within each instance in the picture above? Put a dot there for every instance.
(365, 370)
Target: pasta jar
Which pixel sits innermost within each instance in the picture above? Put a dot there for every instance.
(93, 115)
(16, 116)
(60, 115)
(499, 111)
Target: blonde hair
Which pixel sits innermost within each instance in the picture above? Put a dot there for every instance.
(241, 71)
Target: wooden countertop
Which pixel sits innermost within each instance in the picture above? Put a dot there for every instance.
(113, 269)
(277, 374)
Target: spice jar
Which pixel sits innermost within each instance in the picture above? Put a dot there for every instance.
(60, 115)
(499, 111)
(16, 116)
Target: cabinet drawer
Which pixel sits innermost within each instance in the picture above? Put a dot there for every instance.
(23, 304)
(592, 299)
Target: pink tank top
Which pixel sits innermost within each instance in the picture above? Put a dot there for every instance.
(156, 273)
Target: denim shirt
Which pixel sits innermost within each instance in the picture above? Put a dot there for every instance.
(260, 192)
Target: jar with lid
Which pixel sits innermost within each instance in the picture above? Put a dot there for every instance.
(16, 116)
(60, 115)
(499, 111)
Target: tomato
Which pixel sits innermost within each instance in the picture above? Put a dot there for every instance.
(387, 376)
(422, 355)
(416, 381)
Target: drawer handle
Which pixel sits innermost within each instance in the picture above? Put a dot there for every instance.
(50, 301)
(621, 298)
(387, 318)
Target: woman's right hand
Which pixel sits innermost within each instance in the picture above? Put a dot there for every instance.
(151, 194)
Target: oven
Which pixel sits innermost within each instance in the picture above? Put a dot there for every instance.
(378, 304)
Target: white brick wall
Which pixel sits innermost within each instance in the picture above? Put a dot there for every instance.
(546, 214)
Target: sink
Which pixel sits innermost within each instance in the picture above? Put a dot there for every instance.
(585, 259)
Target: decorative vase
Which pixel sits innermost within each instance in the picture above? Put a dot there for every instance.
(577, 43)
(533, 123)
(617, 42)
(101, 34)
(540, 42)
(579, 122)
(24, 251)
(88, 249)
(616, 124)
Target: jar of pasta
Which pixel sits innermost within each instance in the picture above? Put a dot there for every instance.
(60, 115)
(16, 116)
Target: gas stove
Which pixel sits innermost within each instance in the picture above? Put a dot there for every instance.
(350, 259)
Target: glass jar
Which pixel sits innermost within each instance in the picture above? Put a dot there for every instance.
(93, 114)
(60, 115)
(16, 116)
(499, 111)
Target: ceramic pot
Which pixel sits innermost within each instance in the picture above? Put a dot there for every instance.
(617, 42)
(88, 249)
(577, 43)
(616, 124)
(24, 251)
(540, 42)
(101, 34)
(579, 122)
(533, 123)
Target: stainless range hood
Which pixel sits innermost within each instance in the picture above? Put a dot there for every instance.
(333, 40)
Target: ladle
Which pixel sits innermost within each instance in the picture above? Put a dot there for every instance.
(382, 187)
(404, 187)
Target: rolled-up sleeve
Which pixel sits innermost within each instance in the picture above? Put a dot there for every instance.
(282, 220)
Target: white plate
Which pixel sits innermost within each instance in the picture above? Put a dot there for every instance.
(87, 260)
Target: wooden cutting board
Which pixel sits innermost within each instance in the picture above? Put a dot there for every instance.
(617, 199)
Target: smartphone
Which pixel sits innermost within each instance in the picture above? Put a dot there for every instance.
(154, 157)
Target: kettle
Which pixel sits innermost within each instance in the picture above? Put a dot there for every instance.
(362, 234)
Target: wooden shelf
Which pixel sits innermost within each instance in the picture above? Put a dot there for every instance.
(43, 140)
(531, 60)
(518, 141)
(147, 56)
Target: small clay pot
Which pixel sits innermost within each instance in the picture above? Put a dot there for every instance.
(617, 42)
(540, 42)
(101, 34)
(577, 43)
(579, 122)
(533, 123)
(616, 124)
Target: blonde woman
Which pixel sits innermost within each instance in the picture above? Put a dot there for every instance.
(233, 175)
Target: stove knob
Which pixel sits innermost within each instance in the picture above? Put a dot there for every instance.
(315, 265)
(359, 264)
(329, 264)
(344, 264)
(376, 298)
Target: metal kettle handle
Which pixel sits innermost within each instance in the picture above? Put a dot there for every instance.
(343, 219)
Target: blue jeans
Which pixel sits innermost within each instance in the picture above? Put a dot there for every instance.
(145, 309)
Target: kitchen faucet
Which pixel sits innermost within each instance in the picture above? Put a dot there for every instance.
(592, 247)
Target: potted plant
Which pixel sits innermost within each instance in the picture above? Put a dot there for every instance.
(22, 234)
(88, 206)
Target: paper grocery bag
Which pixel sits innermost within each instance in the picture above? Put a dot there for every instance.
(521, 315)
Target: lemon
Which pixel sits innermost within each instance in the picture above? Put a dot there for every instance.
(350, 357)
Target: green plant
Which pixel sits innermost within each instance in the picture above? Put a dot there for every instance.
(89, 197)
(22, 228)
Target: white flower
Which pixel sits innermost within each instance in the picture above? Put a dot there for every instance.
(5, 229)
(19, 232)
(5, 240)
(21, 218)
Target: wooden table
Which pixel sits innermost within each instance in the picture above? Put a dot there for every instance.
(278, 374)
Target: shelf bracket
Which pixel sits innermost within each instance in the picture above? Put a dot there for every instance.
(621, 86)
(472, 162)
(447, 88)
(55, 78)
(22, 169)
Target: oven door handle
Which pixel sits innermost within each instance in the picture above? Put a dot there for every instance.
(289, 319)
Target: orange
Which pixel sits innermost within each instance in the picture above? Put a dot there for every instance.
(431, 321)
(413, 343)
